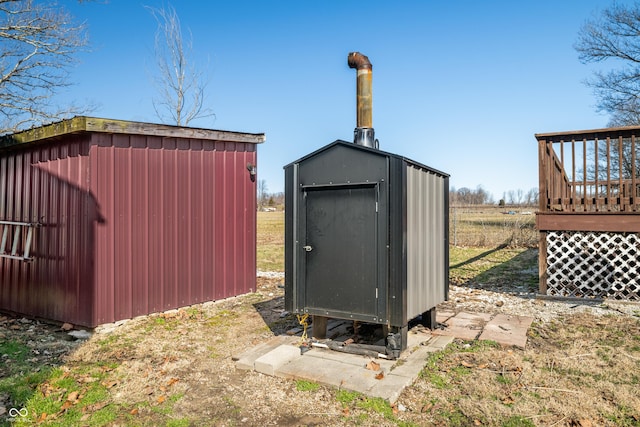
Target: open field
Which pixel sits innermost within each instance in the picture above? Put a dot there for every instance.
(581, 366)
(270, 247)
(482, 226)
(492, 226)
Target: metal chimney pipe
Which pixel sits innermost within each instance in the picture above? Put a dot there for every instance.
(363, 133)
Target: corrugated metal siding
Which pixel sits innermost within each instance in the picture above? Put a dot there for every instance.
(49, 183)
(132, 225)
(426, 244)
(179, 223)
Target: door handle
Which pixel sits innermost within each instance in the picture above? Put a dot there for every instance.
(308, 248)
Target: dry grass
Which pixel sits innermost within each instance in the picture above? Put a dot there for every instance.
(270, 241)
(580, 370)
(490, 226)
(176, 369)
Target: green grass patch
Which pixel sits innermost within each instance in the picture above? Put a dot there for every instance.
(75, 396)
(376, 404)
(346, 397)
(302, 385)
(18, 376)
(518, 421)
(222, 318)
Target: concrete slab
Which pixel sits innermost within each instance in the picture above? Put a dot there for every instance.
(333, 373)
(466, 326)
(390, 387)
(280, 358)
(416, 338)
(507, 330)
(269, 362)
(247, 359)
(439, 342)
(411, 366)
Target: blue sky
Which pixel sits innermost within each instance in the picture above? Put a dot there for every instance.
(461, 86)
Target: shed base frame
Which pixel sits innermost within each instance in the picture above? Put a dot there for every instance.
(395, 336)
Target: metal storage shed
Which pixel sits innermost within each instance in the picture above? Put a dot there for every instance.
(127, 218)
(366, 237)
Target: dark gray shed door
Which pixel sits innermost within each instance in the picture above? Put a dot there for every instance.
(341, 252)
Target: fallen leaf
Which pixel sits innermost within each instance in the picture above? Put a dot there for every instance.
(345, 412)
(467, 364)
(109, 384)
(66, 327)
(96, 406)
(477, 422)
(373, 366)
(379, 376)
(42, 417)
(161, 399)
(482, 366)
(585, 423)
(394, 409)
(172, 381)
(508, 400)
(73, 397)
(134, 411)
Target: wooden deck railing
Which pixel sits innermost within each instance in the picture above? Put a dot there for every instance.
(590, 171)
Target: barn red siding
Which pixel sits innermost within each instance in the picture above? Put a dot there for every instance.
(179, 224)
(49, 184)
(133, 224)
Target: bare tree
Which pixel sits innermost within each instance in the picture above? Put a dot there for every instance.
(531, 198)
(38, 44)
(615, 35)
(262, 191)
(180, 85)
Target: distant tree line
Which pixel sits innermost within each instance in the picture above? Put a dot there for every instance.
(463, 196)
(479, 196)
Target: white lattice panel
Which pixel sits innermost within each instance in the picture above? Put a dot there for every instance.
(593, 265)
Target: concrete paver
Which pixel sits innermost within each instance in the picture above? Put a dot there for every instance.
(269, 362)
(247, 359)
(466, 326)
(507, 330)
(282, 357)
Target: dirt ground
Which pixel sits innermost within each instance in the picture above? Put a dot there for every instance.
(581, 367)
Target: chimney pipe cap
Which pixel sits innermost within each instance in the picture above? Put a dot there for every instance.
(359, 61)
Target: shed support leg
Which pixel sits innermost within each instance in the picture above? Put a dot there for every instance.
(396, 341)
(429, 319)
(320, 327)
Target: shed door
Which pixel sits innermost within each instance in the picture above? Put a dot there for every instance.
(341, 252)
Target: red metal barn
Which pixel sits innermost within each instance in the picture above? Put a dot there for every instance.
(107, 219)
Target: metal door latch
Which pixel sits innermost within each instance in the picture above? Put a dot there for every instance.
(308, 248)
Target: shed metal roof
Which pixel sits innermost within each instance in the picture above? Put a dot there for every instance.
(81, 124)
(371, 150)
